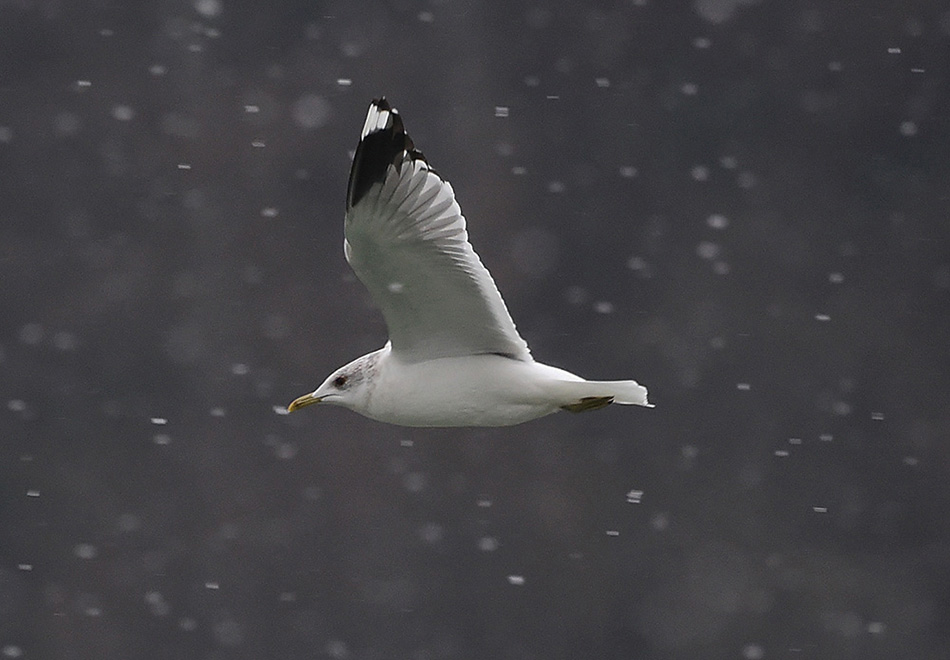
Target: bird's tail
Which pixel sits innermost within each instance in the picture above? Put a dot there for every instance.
(582, 395)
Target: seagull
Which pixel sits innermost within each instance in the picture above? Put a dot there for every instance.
(454, 357)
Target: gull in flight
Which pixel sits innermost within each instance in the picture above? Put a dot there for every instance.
(454, 357)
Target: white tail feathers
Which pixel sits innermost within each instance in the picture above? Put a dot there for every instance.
(624, 392)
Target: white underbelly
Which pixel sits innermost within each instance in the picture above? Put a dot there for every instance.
(470, 391)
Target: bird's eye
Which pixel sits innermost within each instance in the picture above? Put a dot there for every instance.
(339, 381)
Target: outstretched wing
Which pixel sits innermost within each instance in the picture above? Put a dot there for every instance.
(406, 240)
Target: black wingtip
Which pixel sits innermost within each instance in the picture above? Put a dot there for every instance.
(376, 151)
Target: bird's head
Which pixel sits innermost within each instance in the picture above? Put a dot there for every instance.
(348, 386)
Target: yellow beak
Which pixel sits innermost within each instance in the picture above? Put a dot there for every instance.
(303, 402)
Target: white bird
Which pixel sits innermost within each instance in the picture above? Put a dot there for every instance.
(454, 357)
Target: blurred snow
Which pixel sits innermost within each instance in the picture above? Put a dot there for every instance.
(719, 11)
(311, 111)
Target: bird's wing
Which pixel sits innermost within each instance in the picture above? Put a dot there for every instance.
(406, 240)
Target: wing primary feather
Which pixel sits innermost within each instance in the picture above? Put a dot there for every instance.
(383, 142)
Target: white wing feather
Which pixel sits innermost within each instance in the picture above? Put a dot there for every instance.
(406, 241)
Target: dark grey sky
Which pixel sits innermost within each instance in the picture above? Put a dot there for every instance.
(742, 204)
